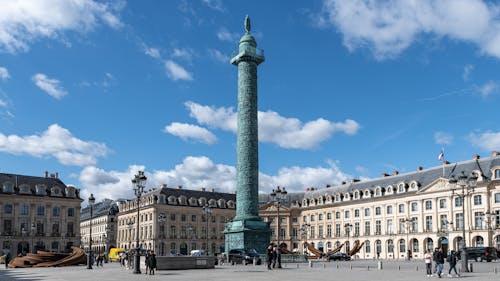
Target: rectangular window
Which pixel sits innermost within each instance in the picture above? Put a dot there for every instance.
(329, 215)
(25, 210)
(478, 220)
(414, 225)
(378, 227)
(312, 231)
(71, 212)
(55, 228)
(428, 223)
(401, 208)
(442, 203)
(356, 213)
(56, 211)
(459, 221)
(414, 207)
(367, 212)
(367, 228)
(347, 214)
(172, 217)
(337, 230)
(478, 200)
(193, 218)
(295, 233)
(401, 228)
(390, 228)
(356, 229)
(497, 197)
(70, 229)
(458, 201)
(378, 211)
(7, 227)
(497, 220)
(320, 217)
(428, 205)
(337, 215)
(320, 231)
(389, 210)
(312, 217)
(40, 210)
(443, 222)
(329, 230)
(295, 219)
(304, 218)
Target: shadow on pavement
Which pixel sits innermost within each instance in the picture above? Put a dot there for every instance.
(13, 275)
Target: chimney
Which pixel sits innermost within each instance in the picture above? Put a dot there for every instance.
(447, 162)
(495, 153)
(57, 175)
(46, 174)
(308, 189)
(355, 180)
(476, 157)
(343, 182)
(202, 189)
(420, 168)
(52, 175)
(212, 190)
(163, 185)
(385, 175)
(179, 187)
(328, 186)
(395, 173)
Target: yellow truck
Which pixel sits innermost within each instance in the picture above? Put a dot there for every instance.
(114, 254)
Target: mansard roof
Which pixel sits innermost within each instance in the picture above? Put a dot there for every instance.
(106, 207)
(32, 181)
(423, 177)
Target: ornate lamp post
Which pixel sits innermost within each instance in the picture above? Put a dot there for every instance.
(139, 181)
(89, 256)
(207, 211)
(278, 195)
(465, 182)
(408, 222)
(162, 218)
(32, 234)
(348, 227)
(304, 228)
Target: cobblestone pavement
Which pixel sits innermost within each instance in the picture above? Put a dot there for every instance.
(358, 270)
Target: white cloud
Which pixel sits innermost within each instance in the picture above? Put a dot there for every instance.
(467, 72)
(215, 5)
(389, 27)
(199, 171)
(191, 132)
(56, 142)
(225, 35)
(218, 55)
(50, 86)
(177, 72)
(285, 132)
(182, 54)
(4, 73)
(488, 141)
(22, 22)
(152, 52)
(443, 138)
(3, 103)
(488, 88)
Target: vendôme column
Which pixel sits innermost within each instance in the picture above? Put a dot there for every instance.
(247, 230)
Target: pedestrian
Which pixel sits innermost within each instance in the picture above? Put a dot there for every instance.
(439, 261)
(152, 263)
(275, 256)
(278, 256)
(434, 255)
(147, 261)
(428, 262)
(7, 260)
(408, 253)
(378, 255)
(269, 256)
(452, 261)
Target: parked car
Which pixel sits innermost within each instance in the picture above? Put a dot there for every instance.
(243, 256)
(338, 256)
(480, 253)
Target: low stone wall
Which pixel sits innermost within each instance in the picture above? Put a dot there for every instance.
(184, 262)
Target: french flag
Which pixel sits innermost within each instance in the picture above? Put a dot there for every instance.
(441, 155)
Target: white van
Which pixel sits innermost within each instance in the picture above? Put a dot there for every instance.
(198, 253)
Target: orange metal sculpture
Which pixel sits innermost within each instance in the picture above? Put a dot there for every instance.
(49, 259)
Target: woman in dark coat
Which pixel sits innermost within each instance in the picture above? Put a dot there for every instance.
(152, 263)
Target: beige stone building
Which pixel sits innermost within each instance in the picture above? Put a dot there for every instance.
(38, 213)
(395, 213)
(104, 222)
(173, 221)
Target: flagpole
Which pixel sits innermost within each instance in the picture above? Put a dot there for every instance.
(442, 151)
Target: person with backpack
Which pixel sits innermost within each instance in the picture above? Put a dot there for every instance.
(439, 262)
(428, 262)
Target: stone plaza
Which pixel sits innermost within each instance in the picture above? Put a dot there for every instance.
(358, 270)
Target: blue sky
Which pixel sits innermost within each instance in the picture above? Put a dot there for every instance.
(96, 90)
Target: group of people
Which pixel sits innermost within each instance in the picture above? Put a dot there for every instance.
(126, 259)
(273, 256)
(438, 257)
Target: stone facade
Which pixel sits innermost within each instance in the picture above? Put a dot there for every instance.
(172, 220)
(390, 212)
(38, 213)
(104, 222)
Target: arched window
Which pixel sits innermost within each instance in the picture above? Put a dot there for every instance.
(497, 174)
(415, 245)
(378, 246)
(402, 246)
(367, 246)
(390, 246)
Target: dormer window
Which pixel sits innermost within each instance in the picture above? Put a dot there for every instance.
(389, 189)
(25, 189)
(212, 203)
(413, 185)
(221, 203)
(304, 202)
(182, 200)
(378, 191)
(172, 200)
(401, 188)
(70, 192)
(202, 201)
(8, 187)
(162, 199)
(56, 191)
(193, 201)
(230, 204)
(497, 174)
(347, 196)
(40, 190)
(367, 194)
(356, 195)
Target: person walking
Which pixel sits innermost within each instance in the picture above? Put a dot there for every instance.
(440, 262)
(269, 256)
(275, 256)
(152, 263)
(452, 261)
(428, 262)
(147, 261)
(7, 260)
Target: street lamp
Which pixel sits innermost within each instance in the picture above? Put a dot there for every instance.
(33, 229)
(162, 218)
(278, 195)
(348, 227)
(207, 211)
(89, 256)
(139, 181)
(304, 228)
(408, 221)
(465, 182)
